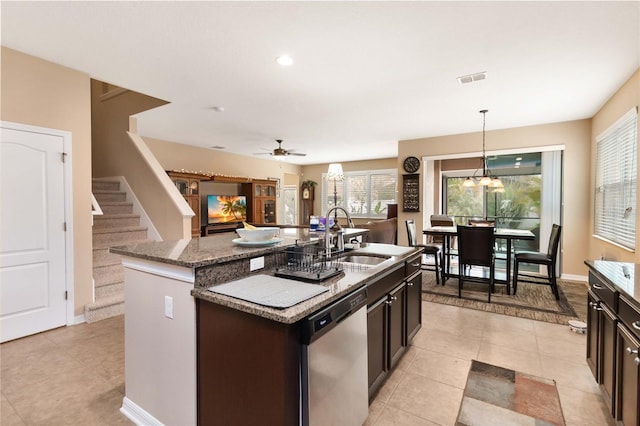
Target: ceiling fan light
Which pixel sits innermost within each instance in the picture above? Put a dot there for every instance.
(499, 189)
(496, 183)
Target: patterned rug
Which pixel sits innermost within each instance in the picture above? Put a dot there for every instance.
(498, 396)
(532, 301)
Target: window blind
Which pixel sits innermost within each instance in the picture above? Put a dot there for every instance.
(363, 193)
(616, 181)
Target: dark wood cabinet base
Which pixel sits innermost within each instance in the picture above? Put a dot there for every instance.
(248, 368)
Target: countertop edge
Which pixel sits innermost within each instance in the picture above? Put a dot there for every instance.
(299, 311)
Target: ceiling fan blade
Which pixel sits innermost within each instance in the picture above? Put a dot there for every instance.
(299, 154)
(262, 153)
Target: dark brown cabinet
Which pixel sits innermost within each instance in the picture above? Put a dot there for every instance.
(189, 186)
(261, 201)
(394, 316)
(377, 330)
(414, 306)
(613, 341)
(601, 338)
(628, 363)
(628, 377)
(396, 301)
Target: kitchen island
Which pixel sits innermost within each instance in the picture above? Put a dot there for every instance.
(164, 281)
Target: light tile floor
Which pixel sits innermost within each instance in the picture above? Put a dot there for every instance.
(75, 375)
(427, 386)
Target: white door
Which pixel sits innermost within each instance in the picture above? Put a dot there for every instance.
(32, 236)
(290, 195)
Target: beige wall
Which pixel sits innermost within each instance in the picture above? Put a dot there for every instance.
(314, 172)
(115, 153)
(574, 135)
(622, 101)
(40, 93)
(175, 156)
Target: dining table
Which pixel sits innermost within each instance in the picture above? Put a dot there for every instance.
(507, 234)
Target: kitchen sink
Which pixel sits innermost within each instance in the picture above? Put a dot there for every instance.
(365, 260)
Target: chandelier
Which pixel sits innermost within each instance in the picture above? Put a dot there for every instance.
(487, 179)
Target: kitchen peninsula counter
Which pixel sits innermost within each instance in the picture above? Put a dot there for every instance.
(163, 281)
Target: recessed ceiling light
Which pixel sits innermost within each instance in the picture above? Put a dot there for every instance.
(284, 60)
(518, 158)
(217, 108)
(517, 163)
(472, 77)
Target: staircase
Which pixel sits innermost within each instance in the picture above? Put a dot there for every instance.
(117, 226)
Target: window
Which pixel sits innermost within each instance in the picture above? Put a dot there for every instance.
(616, 177)
(364, 194)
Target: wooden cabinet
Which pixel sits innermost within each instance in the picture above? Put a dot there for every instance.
(628, 363)
(394, 316)
(414, 306)
(601, 338)
(628, 402)
(261, 202)
(396, 301)
(613, 342)
(189, 186)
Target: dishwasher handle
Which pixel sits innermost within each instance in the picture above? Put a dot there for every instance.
(318, 324)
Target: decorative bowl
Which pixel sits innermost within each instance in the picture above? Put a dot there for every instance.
(258, 234)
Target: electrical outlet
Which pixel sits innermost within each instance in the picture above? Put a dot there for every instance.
(256, 263)
(168, 307)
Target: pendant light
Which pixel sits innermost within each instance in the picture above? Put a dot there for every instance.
(487, 179)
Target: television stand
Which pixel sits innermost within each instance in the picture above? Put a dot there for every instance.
(218, 228)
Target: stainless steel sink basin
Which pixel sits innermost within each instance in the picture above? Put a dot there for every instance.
(364, 260)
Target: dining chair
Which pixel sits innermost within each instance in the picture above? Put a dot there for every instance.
(475, 248)
(434, 250)
(443, 220)
(548, 259)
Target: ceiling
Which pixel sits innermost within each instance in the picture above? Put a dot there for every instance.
(365, 74)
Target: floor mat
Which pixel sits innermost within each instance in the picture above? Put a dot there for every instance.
(499, 396)
(532, 301)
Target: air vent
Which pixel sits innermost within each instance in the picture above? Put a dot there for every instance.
(472, 77)
(217, 147)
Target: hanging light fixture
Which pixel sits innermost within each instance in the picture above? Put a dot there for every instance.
(487, 179)
(335, 174)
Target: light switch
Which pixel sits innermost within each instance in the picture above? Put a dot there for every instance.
(168, 307)
(256, 263)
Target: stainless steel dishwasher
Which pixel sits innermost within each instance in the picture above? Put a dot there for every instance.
(334, 379)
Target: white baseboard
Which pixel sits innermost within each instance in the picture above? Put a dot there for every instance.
(79, 319)
(570, 277)
(137, 415)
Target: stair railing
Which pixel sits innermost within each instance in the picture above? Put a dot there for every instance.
(96, 210)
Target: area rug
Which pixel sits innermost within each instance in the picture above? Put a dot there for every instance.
(532, 301)
(498, 396)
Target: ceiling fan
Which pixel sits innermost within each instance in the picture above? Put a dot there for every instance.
(280, 151)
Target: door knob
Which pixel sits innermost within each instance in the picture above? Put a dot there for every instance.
(631, 351)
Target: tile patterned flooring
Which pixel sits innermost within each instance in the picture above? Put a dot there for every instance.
(75, 375)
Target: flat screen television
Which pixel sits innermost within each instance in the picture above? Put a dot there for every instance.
(226, 208)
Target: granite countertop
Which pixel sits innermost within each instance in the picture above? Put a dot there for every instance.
(349, 280)
(624, 277)
(219, 248)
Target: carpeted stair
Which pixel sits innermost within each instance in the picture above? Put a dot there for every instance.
(117, 226)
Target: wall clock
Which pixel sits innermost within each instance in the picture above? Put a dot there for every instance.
(305, 194)
(411, 164)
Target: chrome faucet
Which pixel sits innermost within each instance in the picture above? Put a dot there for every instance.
(339, 234)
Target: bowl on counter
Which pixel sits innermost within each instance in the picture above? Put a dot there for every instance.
(258, 234)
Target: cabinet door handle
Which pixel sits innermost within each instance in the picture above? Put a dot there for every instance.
(415, 265)
(598, 287)
(394, 298)
(631, 351)
(636, 360)
(389, 302)
(636, 325)
(409, 284)
(595, 306)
